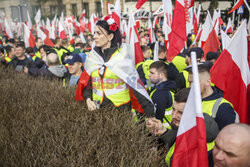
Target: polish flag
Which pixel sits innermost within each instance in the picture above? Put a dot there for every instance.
(7, 29)
(151, 32)
(110, 8)
(212, 43)
(225, 39)
(116, 15)
(62, 33)
(44, 38)
(231, 73)
(229, 28)
(167, 20)
(83, 14)
(198, 14)
(190, 144)
(197, 37)
(178, 36)
(29, 39)
(52, 33)
(47, 27)
(207, 29)
(91, 24)
(37, 18)
(236, 5)
(195, 24)
(133, 40)
(140, 3)
(29, 22)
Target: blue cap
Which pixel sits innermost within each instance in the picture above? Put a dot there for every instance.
(73, 58)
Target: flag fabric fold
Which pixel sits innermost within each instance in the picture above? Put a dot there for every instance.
(191, 145)
(231, 73)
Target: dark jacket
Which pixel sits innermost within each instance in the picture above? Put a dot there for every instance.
(162, 97)
(145, 103)
(19, 65)
(225, 114)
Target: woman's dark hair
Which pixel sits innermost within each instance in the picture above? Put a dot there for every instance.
(117, 39)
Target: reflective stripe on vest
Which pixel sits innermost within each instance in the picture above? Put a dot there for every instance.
(168, 111)
(185, 74)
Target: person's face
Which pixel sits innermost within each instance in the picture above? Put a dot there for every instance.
(204, 82)
(177, 112)
(154, 76)
(147, 54)
(39, 43)
(12, 53)
(230, 152)
(20, 52)
(42, 53)
(162, 55)
(74, 68)
(102, 38)
(78, 40)
(144, 42)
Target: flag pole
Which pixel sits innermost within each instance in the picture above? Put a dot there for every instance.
(247, 5)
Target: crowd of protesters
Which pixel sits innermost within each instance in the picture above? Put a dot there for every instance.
(167, 85)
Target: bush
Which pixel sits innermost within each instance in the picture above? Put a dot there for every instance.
(42, 125)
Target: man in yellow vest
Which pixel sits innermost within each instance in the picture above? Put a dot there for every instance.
(39, 43)
(213, 102)
(10, 53)
(162, 93)
(168, 135)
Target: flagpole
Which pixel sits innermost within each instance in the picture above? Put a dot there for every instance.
(247, 5)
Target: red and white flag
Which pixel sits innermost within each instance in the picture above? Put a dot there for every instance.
(229, 28)
(110, 8)
(37, 18)
(178, 36)
(116, 15)
(7, 29)
(236, 5)
(191, 144)
(28, 38)
(207, 28)
(231, 73)
(151, 32)
(62, 33)
(44, 37)
(133, 40)
(29, 22)
(83, 14)
(140, 3)
(225, 39)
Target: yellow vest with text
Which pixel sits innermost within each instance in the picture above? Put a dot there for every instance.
(111, 86)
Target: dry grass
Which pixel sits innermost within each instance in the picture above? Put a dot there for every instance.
(42, 125)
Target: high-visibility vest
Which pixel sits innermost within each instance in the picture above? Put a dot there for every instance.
(168, 111)
(171, 152)
(7, 58)
(71, 48)
(37, 55)
(179, 62)
(115, 89)
(185, 75)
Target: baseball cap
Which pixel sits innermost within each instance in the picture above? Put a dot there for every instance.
(73, 58)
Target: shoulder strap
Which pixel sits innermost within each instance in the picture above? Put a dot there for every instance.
(216, 106)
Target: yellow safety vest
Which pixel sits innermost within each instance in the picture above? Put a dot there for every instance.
(168, 111)
(7, 58)
(111, 86)
(37, 55)
(180, 63)
(185, 74)
(71, 48)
